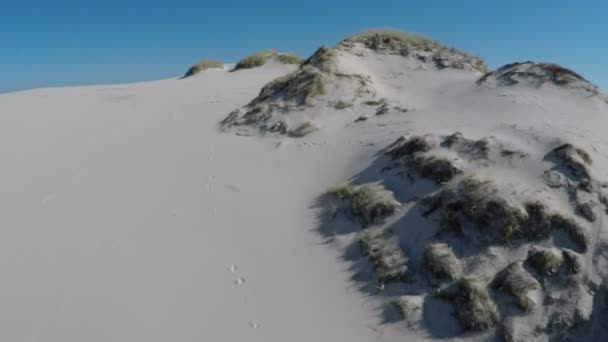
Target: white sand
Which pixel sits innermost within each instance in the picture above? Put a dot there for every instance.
(124, 211)
(127, 216)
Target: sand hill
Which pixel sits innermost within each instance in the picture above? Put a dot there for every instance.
(387, 188)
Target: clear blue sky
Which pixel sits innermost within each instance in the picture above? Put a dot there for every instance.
(52, 43)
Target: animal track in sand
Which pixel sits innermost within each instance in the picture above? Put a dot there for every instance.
(240, 280)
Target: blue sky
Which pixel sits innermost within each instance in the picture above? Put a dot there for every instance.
(54, 43)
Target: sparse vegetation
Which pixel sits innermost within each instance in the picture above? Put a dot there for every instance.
(586, 210)
(545, 261)
(473, 306)
(415, 45)
(517, 282)
(341, 105)
(343, 191)
(262, 57)
(539, 74)
(575, 159)
(441, 262)
(413, 153)
(370, 202)
(202, 66)
(288, 58)
(538, 225)
(392, 40)
(410, 307)
(572, 261)
(389, 261)
(403, 148)
(437, 169)
(472, 149)
(480, 202)
(577, 233)
(302, 130)
(303, 85)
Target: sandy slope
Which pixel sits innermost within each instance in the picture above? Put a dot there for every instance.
(124, 211)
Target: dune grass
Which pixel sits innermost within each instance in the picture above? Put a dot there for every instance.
(370, 202)
(203, 65)
(392, 37)
(441, 262)
(546, 261)
(389, 261)
(262, 57)
(517, 282)
(473, 306)
(398, 42)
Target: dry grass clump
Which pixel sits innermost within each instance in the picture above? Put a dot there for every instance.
(473, 306)
(437, 169)
(445, 58)
(341, 105)
(474, 149)
(538, 73)
(262, 57)
(415, 45)
(389, 260)
(303, 85)
(516, 281)
(506, 221)
(403, 148)
(480, 202)
(577, 233)
(392, 40)
(343, 191)
(586, 210)
(538, 225)
(302, 130)
(572, 261)
(545, 261)
(371, 202)
(202, 66)
(299, 88)
(575, 159)
(410, 307)
(288, 58)
(414, 152)
(441, 262)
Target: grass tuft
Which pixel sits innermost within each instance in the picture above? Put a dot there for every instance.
(202, 66)
(441, 262)
(389, 260)
(473, 306)
(262, 57)
(370, 202)
(516, 281)
(545, 261)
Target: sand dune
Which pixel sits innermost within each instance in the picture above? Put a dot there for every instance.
(198, 209)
